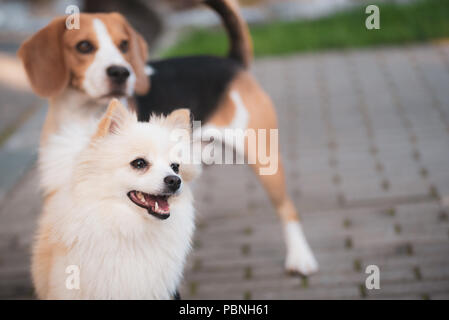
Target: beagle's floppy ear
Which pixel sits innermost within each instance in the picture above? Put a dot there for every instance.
(115, 117)
(139, 55)
(43, 59)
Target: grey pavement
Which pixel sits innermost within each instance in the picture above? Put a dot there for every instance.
(265, 11)
(365, 140)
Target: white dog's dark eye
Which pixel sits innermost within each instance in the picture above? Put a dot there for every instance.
(139, 163)
(84, 46)
(175, 167)
(124, 45)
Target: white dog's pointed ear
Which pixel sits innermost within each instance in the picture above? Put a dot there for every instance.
(180, 118)
(113, 120)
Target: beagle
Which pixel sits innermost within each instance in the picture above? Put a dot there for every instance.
(79, 70)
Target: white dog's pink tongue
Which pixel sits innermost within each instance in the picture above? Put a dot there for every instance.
(159, 204)
(162, 204)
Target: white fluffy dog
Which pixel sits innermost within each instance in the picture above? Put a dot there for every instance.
(118, 215)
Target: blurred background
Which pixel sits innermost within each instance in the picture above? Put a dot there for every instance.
(364, 128)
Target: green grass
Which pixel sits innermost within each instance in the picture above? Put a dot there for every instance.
(399, 24)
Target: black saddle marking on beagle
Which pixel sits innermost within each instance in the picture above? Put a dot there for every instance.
(197, 83)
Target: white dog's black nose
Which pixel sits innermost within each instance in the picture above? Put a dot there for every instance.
(118, 74)
(172, 182)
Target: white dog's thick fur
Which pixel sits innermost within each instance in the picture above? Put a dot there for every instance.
(88, 221)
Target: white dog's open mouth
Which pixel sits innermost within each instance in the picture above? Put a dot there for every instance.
(156, 205)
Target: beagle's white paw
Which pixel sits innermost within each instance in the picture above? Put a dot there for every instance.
(300, 259)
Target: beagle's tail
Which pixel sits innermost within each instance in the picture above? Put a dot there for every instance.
(241, 48)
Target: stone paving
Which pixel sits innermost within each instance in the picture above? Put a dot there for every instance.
(365, 140)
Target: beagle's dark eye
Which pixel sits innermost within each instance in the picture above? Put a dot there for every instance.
(139, 164)
(85, 47)
(175, 167)
(124, 46)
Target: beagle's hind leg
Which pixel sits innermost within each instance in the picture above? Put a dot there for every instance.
(257, 116)
(299, 259)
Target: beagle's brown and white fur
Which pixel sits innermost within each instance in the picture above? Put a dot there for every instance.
(79, 70)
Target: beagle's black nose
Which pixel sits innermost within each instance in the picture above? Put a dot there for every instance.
(172, 182)
(118, 74)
